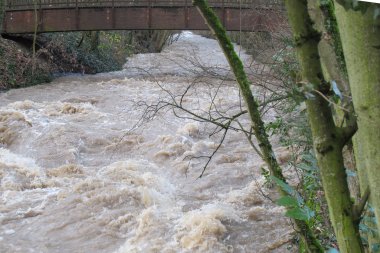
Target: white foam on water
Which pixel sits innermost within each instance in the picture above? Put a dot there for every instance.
(75, 178)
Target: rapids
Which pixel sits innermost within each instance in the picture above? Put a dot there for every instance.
(80, 171)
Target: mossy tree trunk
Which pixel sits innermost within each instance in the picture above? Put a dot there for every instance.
(160, 38)
(328, 139)
(360, 32)
(244, 84)
(332, 57)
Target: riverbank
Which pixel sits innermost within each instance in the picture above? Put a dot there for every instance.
(84, 53)
(76, 52)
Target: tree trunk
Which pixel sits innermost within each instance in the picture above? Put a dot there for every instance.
(94, 41)
(253, 109)
(160, 38)
(360, 32)
(333, 62)
(328, 139)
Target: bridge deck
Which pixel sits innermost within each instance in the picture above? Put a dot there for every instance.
(80, 15)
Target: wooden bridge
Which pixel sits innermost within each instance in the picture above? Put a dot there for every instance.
(28, 16)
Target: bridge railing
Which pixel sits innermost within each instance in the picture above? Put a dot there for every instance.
(59, 4)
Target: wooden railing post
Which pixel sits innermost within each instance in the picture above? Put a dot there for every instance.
(186, 14)
(40, 14)
(113, 15)
(149, 14)
(223, 14)
(77, 17)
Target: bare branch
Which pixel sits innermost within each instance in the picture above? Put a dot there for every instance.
(249, 138)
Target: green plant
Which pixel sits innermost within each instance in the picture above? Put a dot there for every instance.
(297, 208)
(267, 177)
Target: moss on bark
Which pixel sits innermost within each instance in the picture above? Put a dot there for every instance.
(328, 140)
(360, 32)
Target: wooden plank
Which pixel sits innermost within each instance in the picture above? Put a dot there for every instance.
(137, 18)
(54, 4)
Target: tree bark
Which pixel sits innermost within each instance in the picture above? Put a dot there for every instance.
(360, 32)
(328, 140)
(94, 40)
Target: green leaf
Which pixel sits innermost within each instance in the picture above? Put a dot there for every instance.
(287, 201)
(284, 186)
(297, 213)
(310, 213)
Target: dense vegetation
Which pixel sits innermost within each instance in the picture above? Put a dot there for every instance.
(76, 52)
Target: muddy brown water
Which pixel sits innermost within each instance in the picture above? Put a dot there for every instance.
(77, 175)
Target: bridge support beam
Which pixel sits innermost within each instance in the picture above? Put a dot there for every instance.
(137, 18)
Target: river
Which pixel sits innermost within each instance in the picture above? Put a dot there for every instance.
(83, 170)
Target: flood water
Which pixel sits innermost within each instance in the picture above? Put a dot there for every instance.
(85, 168)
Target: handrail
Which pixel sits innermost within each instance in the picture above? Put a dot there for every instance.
(60, 4)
